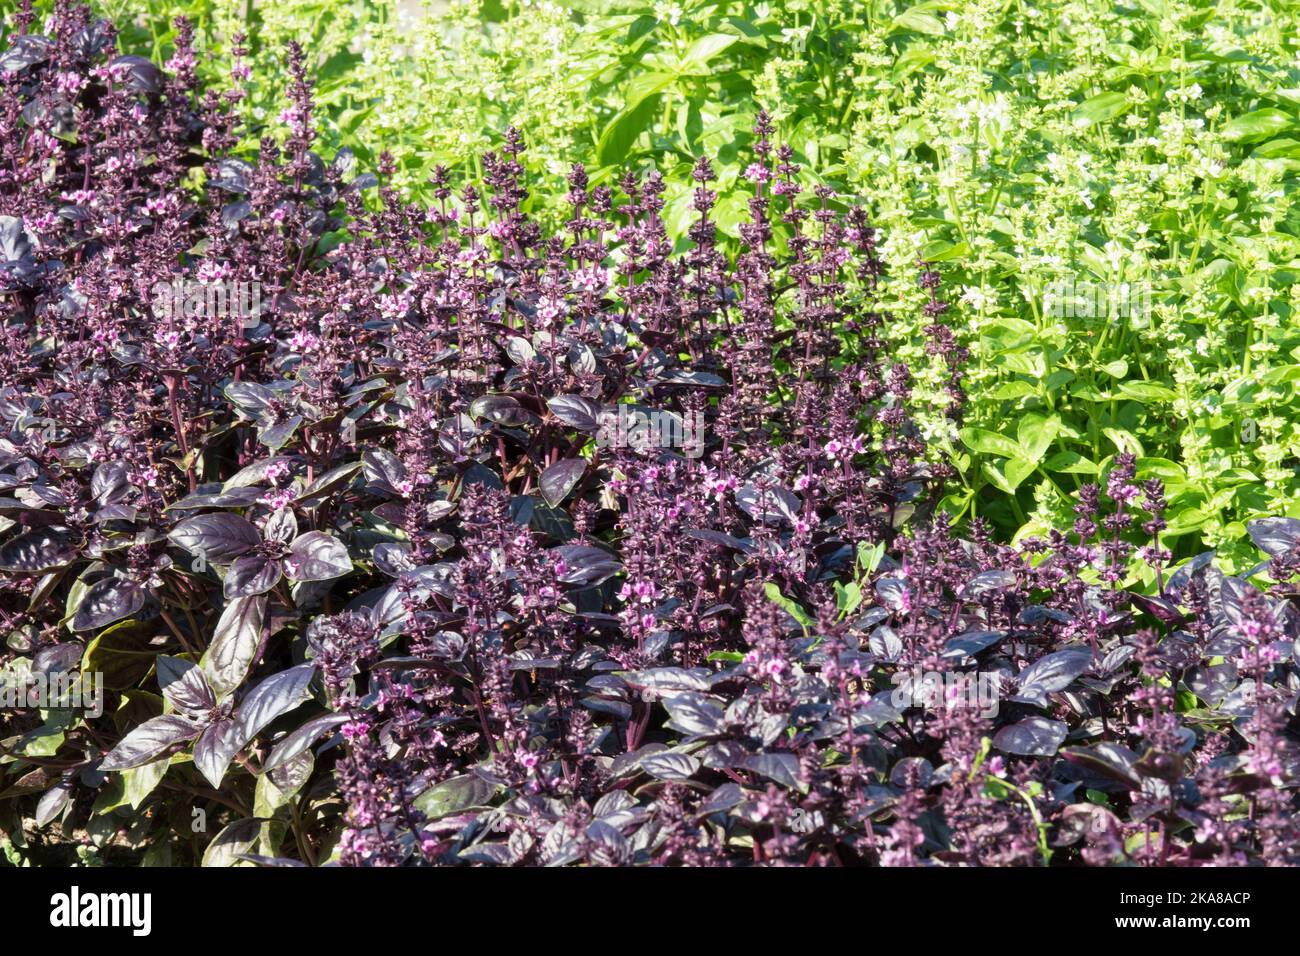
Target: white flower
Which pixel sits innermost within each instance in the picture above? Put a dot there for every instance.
(962, 112)
(996, 112)
(1115, 254)
(975, 297)
(796, 36)
(670, 12)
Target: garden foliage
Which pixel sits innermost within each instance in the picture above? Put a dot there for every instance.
(374, 573)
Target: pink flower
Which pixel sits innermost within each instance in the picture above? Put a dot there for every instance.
(278, 499)
(211, 273)
(803, 525)
(527, 758)
(355, 729)
(303, 341)
(70, 83)
(550, 310)
(180, 62)
(394, 306)
(719, 487)
(592, 280)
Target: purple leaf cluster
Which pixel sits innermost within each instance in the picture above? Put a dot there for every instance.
(465, 543)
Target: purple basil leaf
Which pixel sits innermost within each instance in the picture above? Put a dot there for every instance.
(236, 497)
(502, 409)
(234, 213)
(213, 751)
(255, 473)
(670, 766)
(276, 695)
(971, 643)
(1162, 609)
(1183, 576)
(109, 484)
(277, 435)
(454, 795)
(722, 540)
(576, 411)
(218, 537)
(1031, 737)
(1053, 672)
(57, 659)
(1212, 684)
(990, 581)
(296, 742)
(769, 504)
(53, 802)
(683, 377)
(383, 470)
(233, 175)
(692, 714)
(393, 558)
(317, 556)
(559, 479)
(232, 842)
(723, 798)
(106, 601)
(781, 767)
(184, 684)
(25, 51)
(281, 526)
(1275, 535)
(910, 769)
(270, 861)
(136, 73)
(37, 551)
(149, 741)
(251, 575)
(234, 643)
(1111, 760)
(584, 565)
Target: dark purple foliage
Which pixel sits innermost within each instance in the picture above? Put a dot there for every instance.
(387, 540)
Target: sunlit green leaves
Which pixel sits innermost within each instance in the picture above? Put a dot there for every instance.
(1100, 108)
(1257, 125)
